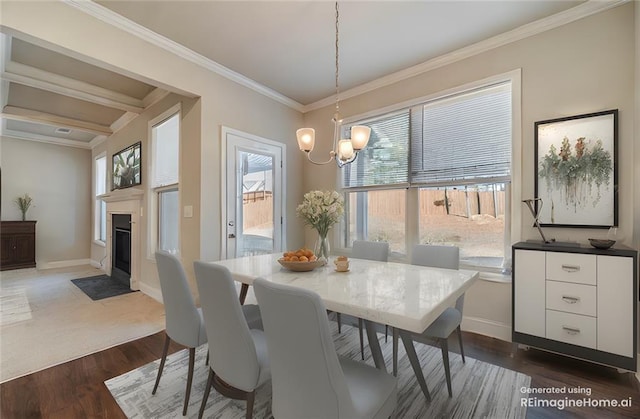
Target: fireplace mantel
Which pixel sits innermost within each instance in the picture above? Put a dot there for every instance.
(127, 194)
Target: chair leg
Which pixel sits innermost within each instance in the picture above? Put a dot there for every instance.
(395, 351)
(444, 345)
(206, 393)
(167, 340)
(339, 320)
(192, 358)
(360, 327)
(386, 332)
(460, 341)
(250, 398)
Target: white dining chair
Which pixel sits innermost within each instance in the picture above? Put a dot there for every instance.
(239, 362)
(183, 320)
(370, 250)
(447, 257)
(309, 380)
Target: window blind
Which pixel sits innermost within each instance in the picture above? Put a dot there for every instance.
(384, 160)
(165, 152)
(463, 137)
(101, 175)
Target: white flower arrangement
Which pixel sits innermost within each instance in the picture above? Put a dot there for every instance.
(321, 210)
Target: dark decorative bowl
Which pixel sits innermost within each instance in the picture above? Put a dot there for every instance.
(601, 243)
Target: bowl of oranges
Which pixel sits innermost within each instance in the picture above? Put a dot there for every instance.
(301, 260)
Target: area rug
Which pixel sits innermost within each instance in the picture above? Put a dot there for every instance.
(101, 286)
(480, 390)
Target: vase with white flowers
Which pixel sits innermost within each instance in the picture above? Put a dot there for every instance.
(321, 210)
(23, 203)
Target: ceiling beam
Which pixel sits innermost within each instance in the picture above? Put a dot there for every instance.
(28, 115)
(19, 135)
(40, 79)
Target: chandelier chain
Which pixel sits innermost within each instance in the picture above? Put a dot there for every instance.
(337, 62)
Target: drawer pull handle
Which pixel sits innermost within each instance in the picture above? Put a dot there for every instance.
(571, 268)
(571, 330)
(570, 300)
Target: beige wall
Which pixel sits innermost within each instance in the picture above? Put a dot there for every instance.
(138, 130)
(221, 103)
(58, 179)
(585, 66)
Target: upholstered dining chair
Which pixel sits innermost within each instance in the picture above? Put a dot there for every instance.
(239, 361)
(309, 380)
(378, 251)
(447, 257)
(183, 320)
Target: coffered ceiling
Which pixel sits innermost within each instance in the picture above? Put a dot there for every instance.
(284, 49)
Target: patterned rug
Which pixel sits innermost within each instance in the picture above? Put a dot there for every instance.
(480, 390)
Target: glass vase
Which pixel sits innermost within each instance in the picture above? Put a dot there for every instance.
(321, 249)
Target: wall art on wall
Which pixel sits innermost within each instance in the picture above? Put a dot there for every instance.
(575, 170)
(126, 167)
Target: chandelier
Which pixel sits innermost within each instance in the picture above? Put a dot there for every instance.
(344, 151)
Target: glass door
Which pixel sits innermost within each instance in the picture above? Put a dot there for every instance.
(254, 209)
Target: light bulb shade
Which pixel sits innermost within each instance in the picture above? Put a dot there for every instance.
(345, 150)
(306, 139)
(360, 136)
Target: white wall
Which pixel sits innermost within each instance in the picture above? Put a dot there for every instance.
(585, 66)
(58, 178)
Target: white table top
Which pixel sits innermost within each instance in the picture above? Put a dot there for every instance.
(400, 295)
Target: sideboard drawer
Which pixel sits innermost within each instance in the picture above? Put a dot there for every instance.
(571, 267)
(572, 298)
(571, 328)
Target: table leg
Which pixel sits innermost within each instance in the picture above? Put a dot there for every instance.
(374, 345)
(415, 363)
(243, 293)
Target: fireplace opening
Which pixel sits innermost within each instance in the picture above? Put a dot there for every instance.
(121, 248)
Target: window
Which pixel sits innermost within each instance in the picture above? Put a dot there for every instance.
(165, 154)
(100, 187)
(437, 172)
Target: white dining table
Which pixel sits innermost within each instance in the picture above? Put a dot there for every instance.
(403, 296)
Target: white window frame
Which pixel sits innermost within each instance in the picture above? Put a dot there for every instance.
(97, 214)
(152, 207)
(513, 198)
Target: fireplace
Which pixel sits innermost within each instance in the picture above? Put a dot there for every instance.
(121, 248)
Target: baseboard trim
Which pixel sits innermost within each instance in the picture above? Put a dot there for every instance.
(64, 263)
(486, 327)
(152, 292)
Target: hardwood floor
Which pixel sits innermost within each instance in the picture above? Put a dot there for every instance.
(76, 389)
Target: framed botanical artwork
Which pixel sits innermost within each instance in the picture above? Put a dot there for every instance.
(126, 167)
(576, 177)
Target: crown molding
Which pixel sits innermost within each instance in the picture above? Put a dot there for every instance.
(18, 135)
(583, 10)
(107, 16)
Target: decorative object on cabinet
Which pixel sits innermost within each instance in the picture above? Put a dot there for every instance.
(555, 291)
(576, 170)
(601, 243)
(126, 167)
(18, 244)
(24, 202)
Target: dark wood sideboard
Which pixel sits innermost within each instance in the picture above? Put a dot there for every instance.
(18, 244)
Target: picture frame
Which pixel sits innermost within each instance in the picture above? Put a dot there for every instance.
(126, 167)
(576, 173)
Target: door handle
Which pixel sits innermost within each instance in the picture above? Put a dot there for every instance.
(231, 236)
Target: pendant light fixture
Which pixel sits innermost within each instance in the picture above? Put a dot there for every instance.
(344, 151)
